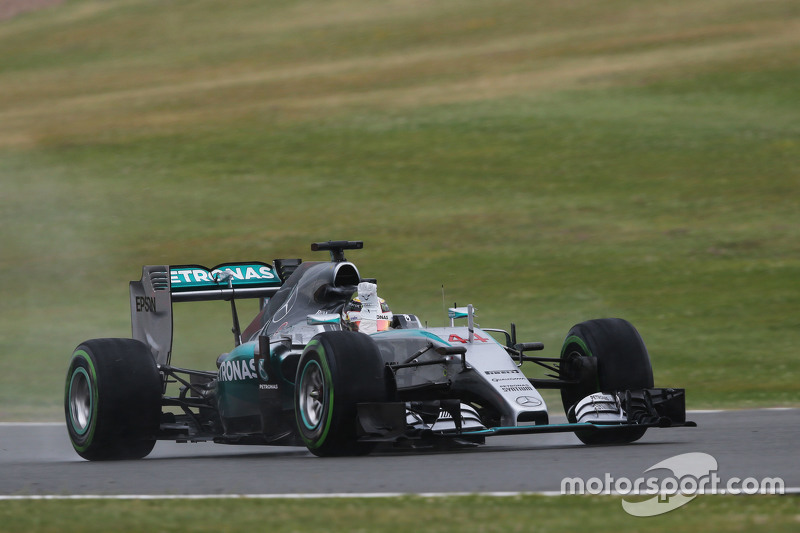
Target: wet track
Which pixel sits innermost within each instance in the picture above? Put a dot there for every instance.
(38, 459)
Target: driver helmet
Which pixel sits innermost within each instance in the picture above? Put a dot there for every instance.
(367, 312)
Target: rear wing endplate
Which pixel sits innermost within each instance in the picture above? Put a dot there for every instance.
(161, 285)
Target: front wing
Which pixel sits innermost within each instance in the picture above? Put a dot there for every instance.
(650, 408)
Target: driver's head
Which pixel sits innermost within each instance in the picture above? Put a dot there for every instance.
(366, 311)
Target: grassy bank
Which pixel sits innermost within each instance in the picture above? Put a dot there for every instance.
(473, 513)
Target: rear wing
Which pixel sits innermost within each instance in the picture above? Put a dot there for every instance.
(161, 285)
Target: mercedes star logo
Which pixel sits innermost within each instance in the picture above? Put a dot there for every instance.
(529, 401)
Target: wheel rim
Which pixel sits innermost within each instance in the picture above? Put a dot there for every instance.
(80, 401)
(312, 389)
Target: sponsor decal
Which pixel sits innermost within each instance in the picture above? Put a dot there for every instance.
(509, 371)
(146, 304)
(237, 370)
(529, 401)
(509, 379)
(241, 275)
(268, 386)
(515, 388)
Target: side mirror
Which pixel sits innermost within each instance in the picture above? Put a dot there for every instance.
(451, 350)
(323, 318)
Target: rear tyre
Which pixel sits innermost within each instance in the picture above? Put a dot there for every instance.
(338, 370)
(112, 399)
(622, 363)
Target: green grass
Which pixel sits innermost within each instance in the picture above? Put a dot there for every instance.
(473, 513)
(547, 162)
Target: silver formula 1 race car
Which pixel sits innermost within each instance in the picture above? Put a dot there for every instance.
(326, 365)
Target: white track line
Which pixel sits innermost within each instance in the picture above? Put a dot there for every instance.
(335, 495)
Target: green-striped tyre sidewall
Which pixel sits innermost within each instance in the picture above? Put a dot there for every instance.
(112, 399)
(81, 367)
(622, 363)
(351, 371)
(315, 435)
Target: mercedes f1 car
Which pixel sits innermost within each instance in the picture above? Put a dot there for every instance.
(319, 368)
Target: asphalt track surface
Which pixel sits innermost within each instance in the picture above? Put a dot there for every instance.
(37, 459)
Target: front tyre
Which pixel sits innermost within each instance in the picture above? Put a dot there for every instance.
(338, 370)
(621, 361)
(112, 399)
